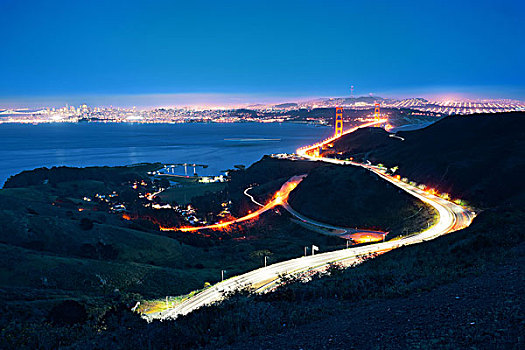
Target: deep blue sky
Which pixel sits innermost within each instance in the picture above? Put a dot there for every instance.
(261, 48)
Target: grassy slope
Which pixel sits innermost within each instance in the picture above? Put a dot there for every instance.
(44, 246)
(89, 277)
(41, 241)
(360, 199)
(495, 237)
(352, 197)
(267, 176)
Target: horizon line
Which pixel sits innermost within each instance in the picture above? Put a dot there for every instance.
(236, 100)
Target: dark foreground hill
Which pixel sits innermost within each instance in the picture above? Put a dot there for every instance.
(477, 157)
(463, 290)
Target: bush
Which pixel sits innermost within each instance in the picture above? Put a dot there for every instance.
(86, 224)
(68, 312)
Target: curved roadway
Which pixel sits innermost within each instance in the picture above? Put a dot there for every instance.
(321, 227)
(452, 217)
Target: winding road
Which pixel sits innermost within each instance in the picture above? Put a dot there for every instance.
(326, 229)
(452, 217)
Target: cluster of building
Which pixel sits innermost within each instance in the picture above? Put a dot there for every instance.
(82, 113)
(459, 107)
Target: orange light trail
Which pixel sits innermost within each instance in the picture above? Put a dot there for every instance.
(366, 237)
(279, 198)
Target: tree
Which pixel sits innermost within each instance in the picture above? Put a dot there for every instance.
(68, 312)
(86, 224)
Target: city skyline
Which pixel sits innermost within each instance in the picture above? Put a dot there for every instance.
(262, 113)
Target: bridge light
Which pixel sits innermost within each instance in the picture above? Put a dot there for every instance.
(338, 121)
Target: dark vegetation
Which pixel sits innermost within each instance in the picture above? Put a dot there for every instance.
(81, 248)
(267, 177)
(333, 194)
(185, 192)
(55, 246)
(57, 175)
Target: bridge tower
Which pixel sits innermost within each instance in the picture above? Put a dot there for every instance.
(338, 121)
(377, 111)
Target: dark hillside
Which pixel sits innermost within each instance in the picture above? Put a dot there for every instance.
(354, 197)
(462, 290)
(337, 195)
(267, 169)
(47, 243)
(56, 175)
(478, 157)
(268, 175)
(362, 141)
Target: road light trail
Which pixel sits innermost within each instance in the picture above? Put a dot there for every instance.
(251, 197)
(452, 217)
(278, 199)
(355, 234)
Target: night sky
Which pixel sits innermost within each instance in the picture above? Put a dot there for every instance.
(259, 50)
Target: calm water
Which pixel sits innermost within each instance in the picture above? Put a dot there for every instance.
(221, 146)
